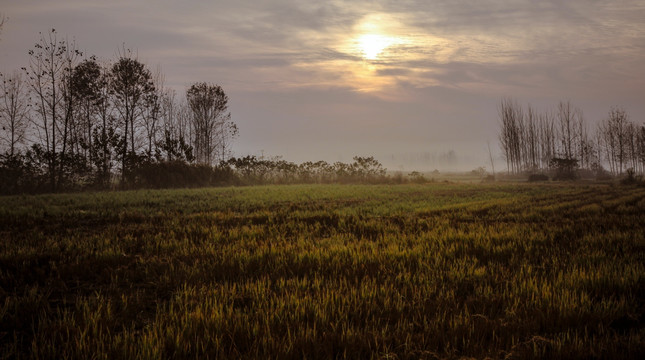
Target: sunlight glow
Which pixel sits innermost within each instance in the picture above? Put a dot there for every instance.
(377, 54)
(372, 45)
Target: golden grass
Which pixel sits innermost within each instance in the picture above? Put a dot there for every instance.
(326, 271)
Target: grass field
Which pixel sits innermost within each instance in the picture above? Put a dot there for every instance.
(326, 271)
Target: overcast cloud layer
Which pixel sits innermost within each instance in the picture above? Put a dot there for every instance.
(302, 85)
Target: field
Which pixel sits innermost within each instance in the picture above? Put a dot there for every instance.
(326, 271)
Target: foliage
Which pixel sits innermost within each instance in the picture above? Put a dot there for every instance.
(211, 121)
(174, 174)
(252, 170)
(565, 168)
(631, 178)
(326, 271)
(172, 167)
(538, 177)
(417, 177)
(17, 174)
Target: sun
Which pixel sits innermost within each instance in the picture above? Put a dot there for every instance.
(372, 45)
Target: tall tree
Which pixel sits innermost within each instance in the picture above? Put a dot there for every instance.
(547, 139)
(568, 119)
(613, 132)
(151, 114)
(86, 89)
(2, 20)
(49, 72)
(511, 116)
(531, 139)
(131, 84)
(212, 124)
(14, 111)
(640, 147)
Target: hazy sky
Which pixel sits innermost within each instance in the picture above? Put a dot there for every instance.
(328, 80)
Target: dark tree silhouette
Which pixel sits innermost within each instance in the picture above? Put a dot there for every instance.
(14, 111)
(86, 89)
(49, 73)
(212, 124)
(131, 85)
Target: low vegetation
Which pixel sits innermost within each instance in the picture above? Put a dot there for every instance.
(326, 271)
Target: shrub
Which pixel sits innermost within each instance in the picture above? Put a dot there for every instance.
(417, 177)
(631, 178)
(177, 174)
(538, 177)
(565, 169)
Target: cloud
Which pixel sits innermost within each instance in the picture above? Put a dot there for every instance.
(299, 64)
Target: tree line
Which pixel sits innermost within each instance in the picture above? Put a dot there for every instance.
(559, 141)
(71, 122)
(251, 170)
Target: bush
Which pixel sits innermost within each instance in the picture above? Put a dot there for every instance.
(631, 178)
(565, 169)
(19, 174)
(538, 177)
(417, 177)
(177, 174)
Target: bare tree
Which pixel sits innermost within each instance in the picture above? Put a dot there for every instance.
(511, 116)
(49, 75)
(490, 156)
(2, 20)
(613, 132)
(547, 139)
(631, 141)
(532, 139)
(640, 147)
(14, 111)
(151, 114)
(568, 119)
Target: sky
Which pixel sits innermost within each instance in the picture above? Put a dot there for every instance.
(407, 82)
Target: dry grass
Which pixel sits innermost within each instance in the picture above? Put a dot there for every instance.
(326, 271)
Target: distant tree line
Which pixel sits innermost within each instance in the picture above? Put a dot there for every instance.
(559, 141)
(71, 122)
(251, 170)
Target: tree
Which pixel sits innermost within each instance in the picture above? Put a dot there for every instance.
(2, 20)
(100, 138)
(511, 115)
(212, 124)
(131, 85)
(151, 114)
(613, 133)
(640, 147)
(569, 119)
(49, 73)
(565, 168)
(531, 137)
(367, 168)
(86, 89)
(14, 111)
(547, 139)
